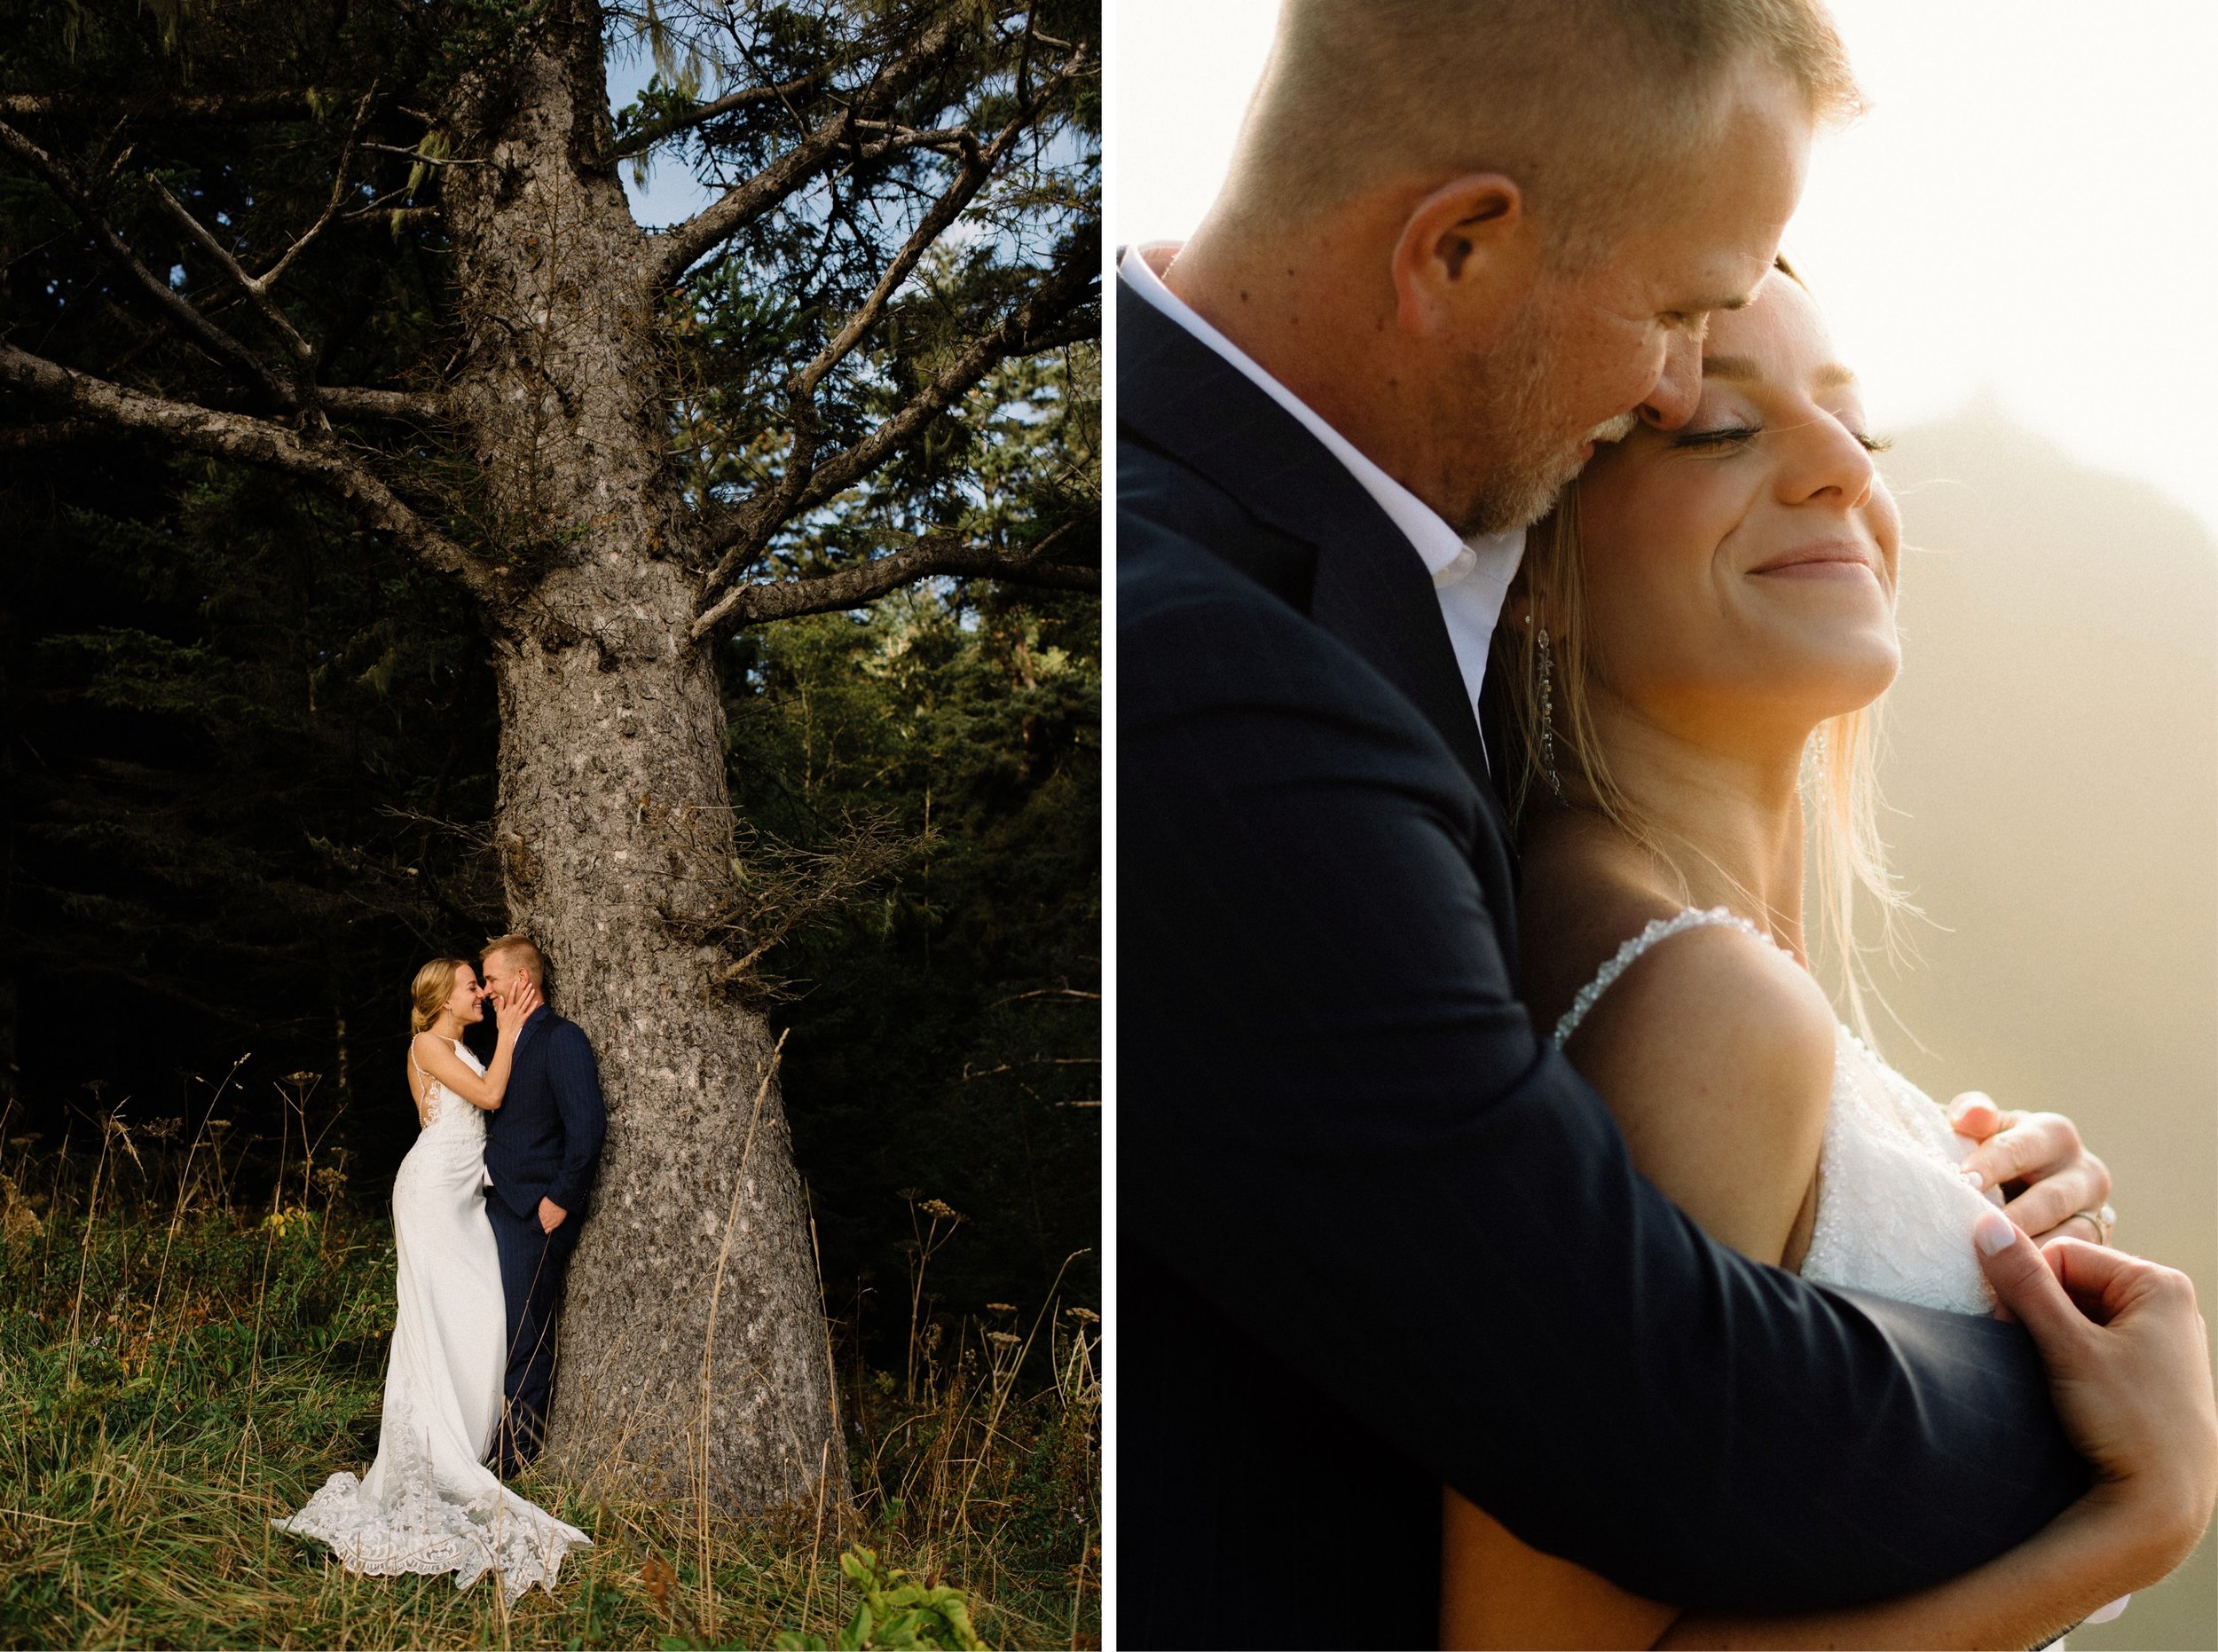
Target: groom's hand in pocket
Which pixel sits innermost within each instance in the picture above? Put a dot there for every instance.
(2039, 1161)
(551, 1215)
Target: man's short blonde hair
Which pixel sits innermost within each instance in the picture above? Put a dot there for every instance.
(1585, 103)
(524, 951)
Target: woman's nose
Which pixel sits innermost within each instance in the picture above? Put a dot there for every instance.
(1825, 456)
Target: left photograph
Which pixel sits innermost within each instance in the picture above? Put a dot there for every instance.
(550, 886)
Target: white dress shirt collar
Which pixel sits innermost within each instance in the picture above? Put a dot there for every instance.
(1471, 577)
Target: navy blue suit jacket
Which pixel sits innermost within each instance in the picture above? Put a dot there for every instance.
(1375, 1233)
(544, 1140)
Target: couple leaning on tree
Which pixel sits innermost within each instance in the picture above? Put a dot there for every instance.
(1504, 578)
(486, 1210)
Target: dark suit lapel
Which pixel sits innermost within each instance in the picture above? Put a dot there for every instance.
(530, 1025)
(1370, 588)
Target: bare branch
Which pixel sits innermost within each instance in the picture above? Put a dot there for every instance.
(384, 217)
(762, 518)
(276, 272)
(422, 159)
(53, 434)
(277, 104)
(1021, 332)
(947, 139)
(411, 406)
(295, 346)
(255, 441)
(171, 304)
(850, 587)
(648, 137)
(977, 166)
(303, 392)
(674, 251)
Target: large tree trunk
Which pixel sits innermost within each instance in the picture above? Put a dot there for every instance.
(692, 1359)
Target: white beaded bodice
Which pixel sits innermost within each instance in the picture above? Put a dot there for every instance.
(1894, 1217)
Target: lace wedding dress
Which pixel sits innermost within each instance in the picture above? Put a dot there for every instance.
(429, 1503)
(1894, 1217)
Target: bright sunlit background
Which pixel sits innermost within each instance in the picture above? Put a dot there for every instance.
(2027, 208)
(2018, 251)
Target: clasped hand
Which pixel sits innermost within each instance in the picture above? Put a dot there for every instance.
(2041, 1156)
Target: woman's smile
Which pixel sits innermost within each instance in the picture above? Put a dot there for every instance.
(1830, 559)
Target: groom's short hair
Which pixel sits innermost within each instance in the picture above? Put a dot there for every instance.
(1583, 102)
(526, 954)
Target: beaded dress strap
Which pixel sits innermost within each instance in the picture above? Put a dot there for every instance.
(1660, 929)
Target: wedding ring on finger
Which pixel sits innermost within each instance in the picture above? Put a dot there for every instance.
(2102, 1221)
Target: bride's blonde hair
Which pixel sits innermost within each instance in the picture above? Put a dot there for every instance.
(1840, 784)
(433, 986)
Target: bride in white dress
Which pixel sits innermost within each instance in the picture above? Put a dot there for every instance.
(429, 1504)
(1691, 649)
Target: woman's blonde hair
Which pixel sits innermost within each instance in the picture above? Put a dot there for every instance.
(1839, 772)
(433, 986)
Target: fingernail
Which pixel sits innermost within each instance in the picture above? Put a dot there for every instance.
(2107, 1614)
(1973, 1179)
(1992, 1234)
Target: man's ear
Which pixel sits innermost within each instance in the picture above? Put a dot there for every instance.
(1466, 255)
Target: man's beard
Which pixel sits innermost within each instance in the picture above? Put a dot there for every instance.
(1528, 467)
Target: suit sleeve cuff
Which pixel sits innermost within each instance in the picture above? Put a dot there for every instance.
(571, 1200)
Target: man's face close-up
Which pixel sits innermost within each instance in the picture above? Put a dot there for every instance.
(1623, 334)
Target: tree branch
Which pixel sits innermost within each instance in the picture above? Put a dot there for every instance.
(172, 304)
(671, 253)
(850, 587)
(407, 407)
(977, 166)
(15, 437)
(257, 294)
(762, 520)
(648, 137)
(276, 272)
(255, 441)
(279, 104)
(1039, 323)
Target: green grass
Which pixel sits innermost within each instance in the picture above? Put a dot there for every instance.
(175, 1371)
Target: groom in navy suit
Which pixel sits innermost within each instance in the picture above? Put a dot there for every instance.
(542, 1146)
(1375, 1234)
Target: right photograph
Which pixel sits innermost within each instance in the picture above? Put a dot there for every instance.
(1666, 749)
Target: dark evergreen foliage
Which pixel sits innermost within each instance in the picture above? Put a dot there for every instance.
(248, 744)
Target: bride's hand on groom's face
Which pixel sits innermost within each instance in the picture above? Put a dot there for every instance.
(2059, 1179)
(517, 1008)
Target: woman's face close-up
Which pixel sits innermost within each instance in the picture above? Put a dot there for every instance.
(466, 1003)
(1740, 572)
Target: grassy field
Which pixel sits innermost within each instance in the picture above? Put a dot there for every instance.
(175, 1369)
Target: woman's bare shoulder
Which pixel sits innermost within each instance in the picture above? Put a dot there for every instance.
(1720, 992)
(1715, 1051)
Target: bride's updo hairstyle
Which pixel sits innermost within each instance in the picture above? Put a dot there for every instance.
(1840, 785)
(434, 985)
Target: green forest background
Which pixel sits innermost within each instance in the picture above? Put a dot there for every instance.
(249, 757)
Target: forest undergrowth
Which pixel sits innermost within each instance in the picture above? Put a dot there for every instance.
(179, 1364)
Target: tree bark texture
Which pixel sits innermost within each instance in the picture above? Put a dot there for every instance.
(692, 1358)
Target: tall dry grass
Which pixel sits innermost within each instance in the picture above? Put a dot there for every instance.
(176, 1367)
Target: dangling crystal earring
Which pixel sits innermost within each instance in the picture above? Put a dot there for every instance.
(1814, 754)
(1547, 717)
